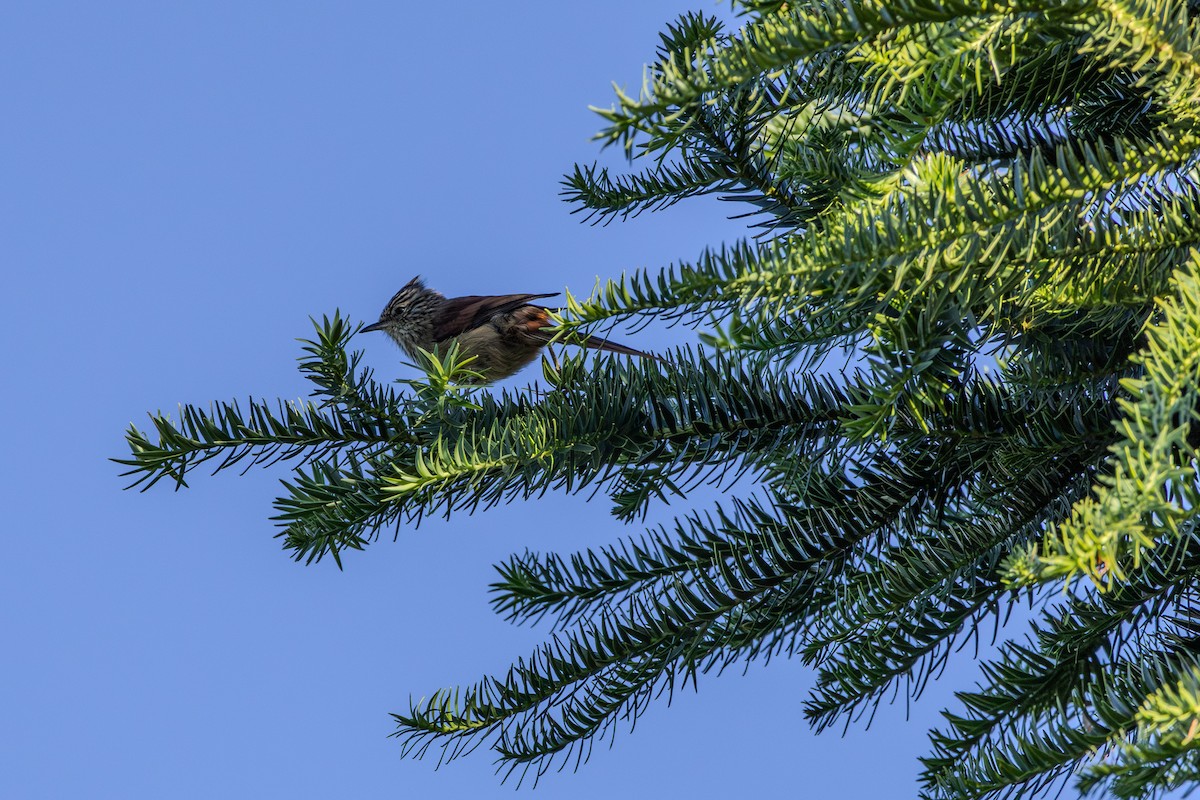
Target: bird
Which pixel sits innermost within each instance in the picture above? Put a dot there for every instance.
(503, 332)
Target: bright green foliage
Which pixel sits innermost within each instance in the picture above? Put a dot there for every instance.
(996, 205)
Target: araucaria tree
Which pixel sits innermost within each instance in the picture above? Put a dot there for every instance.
(993, 207)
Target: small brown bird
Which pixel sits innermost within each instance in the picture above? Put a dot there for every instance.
(503, 332)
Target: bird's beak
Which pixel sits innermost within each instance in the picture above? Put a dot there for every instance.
(374, 326)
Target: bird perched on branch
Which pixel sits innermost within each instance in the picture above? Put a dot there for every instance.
(503, 332)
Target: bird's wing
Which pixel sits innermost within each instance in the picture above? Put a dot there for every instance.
(460, 314)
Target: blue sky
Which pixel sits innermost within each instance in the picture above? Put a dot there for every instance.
(183, 186)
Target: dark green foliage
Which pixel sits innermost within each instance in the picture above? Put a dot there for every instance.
(996, 205)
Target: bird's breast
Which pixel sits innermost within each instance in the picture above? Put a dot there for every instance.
(505, 344)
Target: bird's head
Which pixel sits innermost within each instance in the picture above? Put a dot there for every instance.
(409, 317)
(412, 299)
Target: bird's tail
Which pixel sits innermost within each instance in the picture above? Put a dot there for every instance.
(596, 343)
(546, 335)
